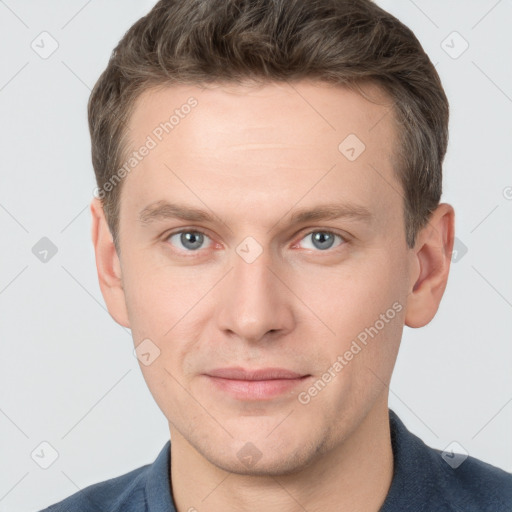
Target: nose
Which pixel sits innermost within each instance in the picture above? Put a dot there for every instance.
(255, 302)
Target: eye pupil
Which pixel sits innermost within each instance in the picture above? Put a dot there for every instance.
(322, 237)
(193, 238)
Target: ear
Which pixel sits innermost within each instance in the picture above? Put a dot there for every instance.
(108, 265)
(430, 264)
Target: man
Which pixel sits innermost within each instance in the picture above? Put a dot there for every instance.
(267, 220)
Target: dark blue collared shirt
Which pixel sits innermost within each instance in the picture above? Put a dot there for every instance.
(423, 481)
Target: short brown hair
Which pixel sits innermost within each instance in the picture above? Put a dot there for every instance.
(345, 42)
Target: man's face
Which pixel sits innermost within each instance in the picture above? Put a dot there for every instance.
(254, 288)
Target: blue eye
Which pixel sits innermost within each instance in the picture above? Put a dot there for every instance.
(190, 240)
(322, 240)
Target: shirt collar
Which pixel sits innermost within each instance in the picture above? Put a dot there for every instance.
(408, 455)
(158, 487)
(412, 478)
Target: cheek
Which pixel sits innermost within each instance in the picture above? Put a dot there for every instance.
(170, 306)
(159, 296)
(149, 303)
(354, 296)
(365, 307)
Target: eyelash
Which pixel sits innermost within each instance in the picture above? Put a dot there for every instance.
(196, 231)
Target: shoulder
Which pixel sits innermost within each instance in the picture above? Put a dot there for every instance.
(144, 488)
(427, 478)
(123, 493)
(473, 485)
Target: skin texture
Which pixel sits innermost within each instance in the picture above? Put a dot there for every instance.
(251, 157)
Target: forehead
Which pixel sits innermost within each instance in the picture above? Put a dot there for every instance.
(268, 110)
(249, 140)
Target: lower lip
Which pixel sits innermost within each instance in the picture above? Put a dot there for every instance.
(255, 389)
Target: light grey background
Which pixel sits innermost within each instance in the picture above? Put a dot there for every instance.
(68, 374)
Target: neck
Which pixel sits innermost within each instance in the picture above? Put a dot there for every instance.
(353, 476)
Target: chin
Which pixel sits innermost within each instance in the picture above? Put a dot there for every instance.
(270, 464)
(268, 455)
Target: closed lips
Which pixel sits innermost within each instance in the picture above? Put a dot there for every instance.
(237, 373)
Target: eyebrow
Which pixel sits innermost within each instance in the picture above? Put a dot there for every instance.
(162, 210)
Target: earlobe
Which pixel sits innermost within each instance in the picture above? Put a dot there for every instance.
(108, 265)
(430, 266)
